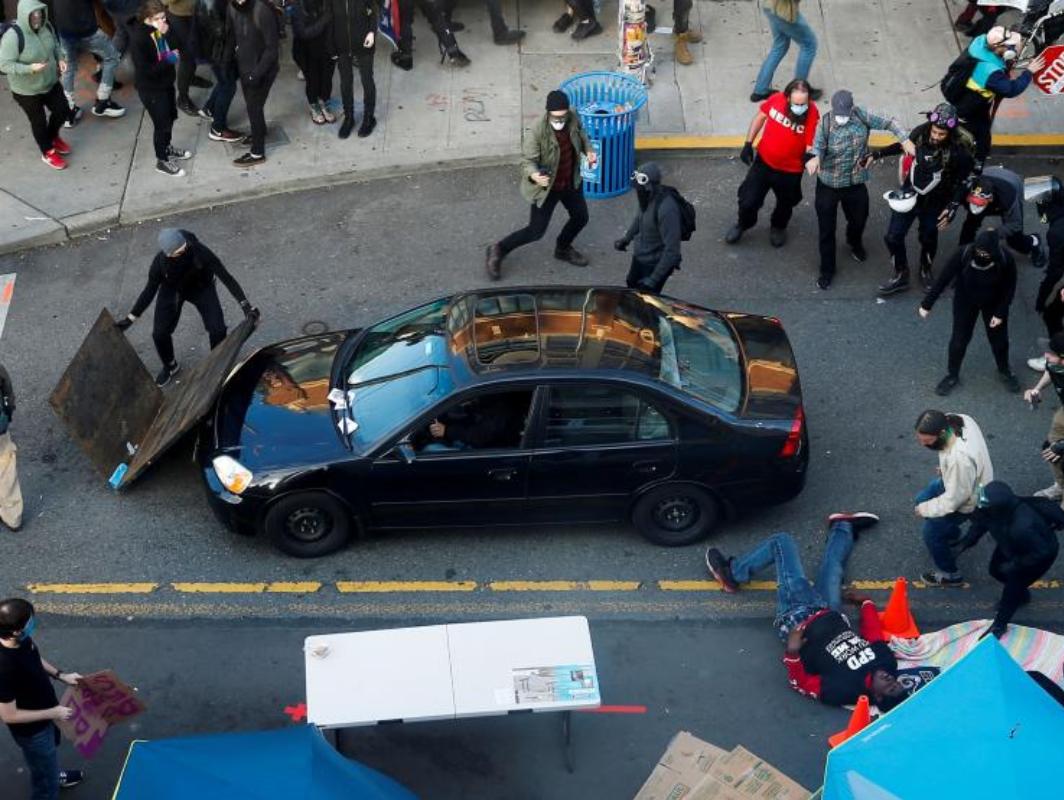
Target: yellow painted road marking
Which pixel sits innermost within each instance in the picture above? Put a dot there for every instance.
(712, 586)
(293, 587)
(695, 142)
(614, 586)
(869, 585)
(92, 588)
(404, 586)
(219, 588)
(563, 586)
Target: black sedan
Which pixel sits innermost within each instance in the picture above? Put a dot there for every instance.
(510, 406)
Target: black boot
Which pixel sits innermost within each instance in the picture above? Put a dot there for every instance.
(927, 275)
(898, 283)
(403, 59)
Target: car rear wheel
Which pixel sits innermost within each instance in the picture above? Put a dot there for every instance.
(675, 514)
(308, 524)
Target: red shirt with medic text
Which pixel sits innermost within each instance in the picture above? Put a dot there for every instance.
(784, 142)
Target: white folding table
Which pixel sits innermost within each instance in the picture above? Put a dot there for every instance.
(434, 672)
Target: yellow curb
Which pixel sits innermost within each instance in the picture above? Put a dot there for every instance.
(693, 142)
(357, 587)
(712, 586)
(92, 588)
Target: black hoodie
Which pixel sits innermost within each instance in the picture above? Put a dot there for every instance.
(993, 286)
(1023, 528)
(253, 37)
(1053, 282)
(149, 73)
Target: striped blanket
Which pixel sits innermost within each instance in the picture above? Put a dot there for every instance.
(1032, 648)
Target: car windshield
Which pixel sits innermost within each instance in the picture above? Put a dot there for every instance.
(381, 407)
(699, 355)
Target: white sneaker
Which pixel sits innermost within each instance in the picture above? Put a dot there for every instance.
(1037, 364)
(1052, 492)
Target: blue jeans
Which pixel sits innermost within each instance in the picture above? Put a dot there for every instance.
(941, 533)
(99, 44)
(221, 96)
(783, 33)
(796, 597)
(40, 753)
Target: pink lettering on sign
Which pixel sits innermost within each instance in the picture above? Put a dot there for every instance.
(99, 701)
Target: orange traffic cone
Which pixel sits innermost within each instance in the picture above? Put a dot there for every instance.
(860, 718)
(897, 619)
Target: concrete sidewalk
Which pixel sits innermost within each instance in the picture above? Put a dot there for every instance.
(887, 51)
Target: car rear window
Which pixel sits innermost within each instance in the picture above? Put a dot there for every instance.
(700, 357)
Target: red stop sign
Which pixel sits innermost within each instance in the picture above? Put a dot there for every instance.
(1050, 79)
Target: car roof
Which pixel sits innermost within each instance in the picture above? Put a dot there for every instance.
(523, 329)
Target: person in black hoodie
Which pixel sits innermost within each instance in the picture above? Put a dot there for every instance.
(825, 658)
(1024, 530)
(1047, 192)
(985, 275)
(254, 35)
(657, 225)
(154, 75)
(354, 30)
(312, 51)
(212, 31)
(184, 269)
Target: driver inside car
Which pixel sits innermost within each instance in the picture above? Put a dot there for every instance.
(482, 424)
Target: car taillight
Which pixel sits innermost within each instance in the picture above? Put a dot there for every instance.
(794, 437)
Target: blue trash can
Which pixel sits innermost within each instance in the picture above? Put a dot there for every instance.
(607, 103)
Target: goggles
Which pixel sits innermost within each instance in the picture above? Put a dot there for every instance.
(942, 120)
(640, 178)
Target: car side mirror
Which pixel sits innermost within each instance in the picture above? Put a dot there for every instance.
(406, 453)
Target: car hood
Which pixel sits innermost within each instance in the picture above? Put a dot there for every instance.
(275, 411)
(773, 390)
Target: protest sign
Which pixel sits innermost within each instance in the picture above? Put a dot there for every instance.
(99, 701)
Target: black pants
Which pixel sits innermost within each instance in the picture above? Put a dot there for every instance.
(318, 67)
(539, 219)
(977, 120)
(162, 108)
(46, 112)
(1022, 243)
(1016, 591)
(638, 270)
(585, 9)
(854, 202)
(255, 99)
(966, 311)
(681, 15)
(363, 59)
(168, 311)
(787, 186)
(435, 13)
(182, 37)
(925, 215)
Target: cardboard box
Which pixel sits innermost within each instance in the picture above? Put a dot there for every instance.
(686, 763)
(692, 769)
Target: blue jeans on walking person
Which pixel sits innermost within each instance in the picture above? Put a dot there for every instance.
(796, 597)
(98, 44)
(941, 534)
(221, 96)
(783, 33)
(42, 761)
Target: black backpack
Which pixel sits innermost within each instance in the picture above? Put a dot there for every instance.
(954, 83)
(687, 212)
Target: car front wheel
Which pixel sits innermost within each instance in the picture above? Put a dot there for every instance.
(675, 514)
(308, 524)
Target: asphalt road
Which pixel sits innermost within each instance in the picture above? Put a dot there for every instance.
(347, 256)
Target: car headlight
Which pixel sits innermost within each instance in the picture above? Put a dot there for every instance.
(234, 476)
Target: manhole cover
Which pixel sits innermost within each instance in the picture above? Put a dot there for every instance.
(315, 327)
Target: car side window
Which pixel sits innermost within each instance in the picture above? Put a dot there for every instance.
(596, 414)
(490, 422)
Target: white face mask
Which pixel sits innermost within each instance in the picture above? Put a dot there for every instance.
(839, 120)
(977, 210)
(797, 108)
(557, 124)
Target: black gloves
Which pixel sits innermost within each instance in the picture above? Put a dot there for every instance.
(746, 155)
(620, 244)
(249, 310)
(125, 322)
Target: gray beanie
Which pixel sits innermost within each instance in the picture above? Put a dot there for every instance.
(170, 239)
(651, 170)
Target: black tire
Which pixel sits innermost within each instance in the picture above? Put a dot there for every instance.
(675, 514)
(308, 524)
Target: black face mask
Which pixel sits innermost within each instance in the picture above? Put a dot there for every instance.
(643, 193)
(939, 443)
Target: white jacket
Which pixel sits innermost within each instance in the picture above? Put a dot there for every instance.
(965, 467)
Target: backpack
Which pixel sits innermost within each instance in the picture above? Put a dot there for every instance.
(13, 26)
(687, 212)
(954, 83)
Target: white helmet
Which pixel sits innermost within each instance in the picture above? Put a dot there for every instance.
(902, 199)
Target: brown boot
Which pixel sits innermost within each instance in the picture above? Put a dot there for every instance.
(683, 55)
(494, 261)
(693, 37)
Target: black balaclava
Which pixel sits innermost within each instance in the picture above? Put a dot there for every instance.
(647, 192)
(986, 251)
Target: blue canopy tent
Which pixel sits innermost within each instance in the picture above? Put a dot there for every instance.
(982, 728)
(289, 763)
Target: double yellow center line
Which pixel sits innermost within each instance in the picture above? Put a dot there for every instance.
(431, 587)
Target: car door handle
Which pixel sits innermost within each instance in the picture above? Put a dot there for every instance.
(504, 474)
(646, 467)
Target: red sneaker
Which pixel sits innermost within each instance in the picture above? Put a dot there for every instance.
(54, 160)
(60, 146)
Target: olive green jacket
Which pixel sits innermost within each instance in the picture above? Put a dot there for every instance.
(540, 151)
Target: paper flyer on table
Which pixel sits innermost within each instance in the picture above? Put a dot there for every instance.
(557, 684)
